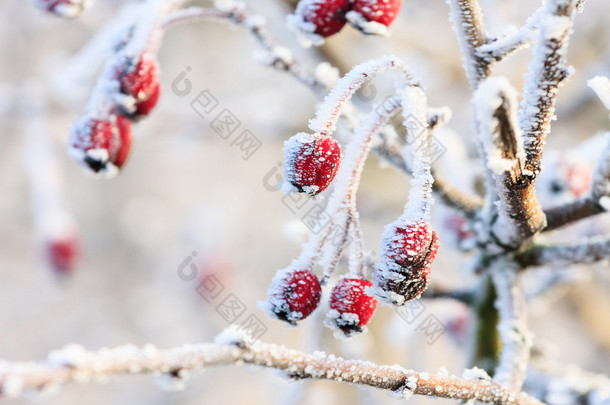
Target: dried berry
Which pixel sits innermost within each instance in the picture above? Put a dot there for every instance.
(351, 307)
(311, 162)
(293, 295)
(102, 145)
(404, 270)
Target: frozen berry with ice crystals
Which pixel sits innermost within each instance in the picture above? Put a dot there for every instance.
(317, 19)
(102, 145)
(365, 14)
(311, 162)
(404, 270)
(64, 8)
(351, 307)
(293, 295)
(139, 84)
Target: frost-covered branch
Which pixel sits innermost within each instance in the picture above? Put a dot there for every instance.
(74, 364)
(547, 71)
(512, 326)
(520, 213)
(596, 202)
(588, 251)
(278, 56)
(468, 23)
(511, 41)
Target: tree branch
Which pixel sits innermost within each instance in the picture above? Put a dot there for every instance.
(468, 23)
(547, 70)
(74, 364)
(512, 327)
(589, 251)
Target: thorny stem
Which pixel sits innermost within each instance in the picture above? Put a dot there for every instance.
(297, 365)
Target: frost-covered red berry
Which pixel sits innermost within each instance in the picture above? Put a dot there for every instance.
(62, 254)
(351, 307)
(311, 162)
(404, 270)
(64, 8)
(373, 16)
(139, 84)
(318, 19)
(293, 295)
(102, 145)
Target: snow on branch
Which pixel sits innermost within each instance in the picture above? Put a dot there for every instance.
(75, 364)
(512, 327)
(547, 71)
(468, 23)
(512, 41)
(588, 251)
(278, 56)
(520, 214)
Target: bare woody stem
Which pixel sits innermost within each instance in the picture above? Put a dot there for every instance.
(571, 212)
(298, 365)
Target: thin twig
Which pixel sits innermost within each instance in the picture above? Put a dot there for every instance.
(589, 251)
(75, 364)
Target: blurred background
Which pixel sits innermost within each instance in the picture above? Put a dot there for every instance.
(186, 189)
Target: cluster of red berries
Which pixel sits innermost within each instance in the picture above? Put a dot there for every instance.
(404, 270)
(64, 8)
(311, 162)
(327, 17)
(295, 294)
(103, 144)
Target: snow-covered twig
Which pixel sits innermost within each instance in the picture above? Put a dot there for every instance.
(547, 71)
(280, 57)
(74, 364)
(468, 23)
(588, 251)
(512, 326)
(512, 41)
(520, 213)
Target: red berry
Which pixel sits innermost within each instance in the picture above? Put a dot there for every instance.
(64, 8)
(351, 307)
(101, 144)
(293, 295)
(62, 254)
(404, 271)
(311, 162)
(139, 80)
(379, 11)
(322, 17)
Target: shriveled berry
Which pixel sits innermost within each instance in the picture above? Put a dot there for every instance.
(64, 8)
(311, 162)
(139, 82)
(293, 295)
(321, 18)
(351, 307)
(404, 270)
(377, 11)
(102, 145)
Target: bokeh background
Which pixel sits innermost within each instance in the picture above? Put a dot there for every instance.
(186, 189)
